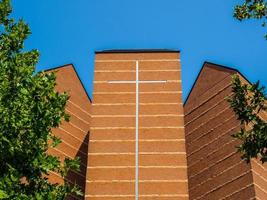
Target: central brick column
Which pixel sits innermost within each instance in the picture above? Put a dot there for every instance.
(112, 151)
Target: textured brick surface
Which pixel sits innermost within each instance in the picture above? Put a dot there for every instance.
(215, 169)
(212, 166)
(259, 172)
(74, 134)
(111, 158)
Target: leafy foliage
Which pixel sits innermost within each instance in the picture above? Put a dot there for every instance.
(252, 9)
(248, 102)
(29, 109)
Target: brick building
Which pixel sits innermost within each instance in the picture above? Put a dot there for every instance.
(158, 159)
(215, 169)
(138, 88)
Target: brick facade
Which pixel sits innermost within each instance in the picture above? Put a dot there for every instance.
(162, 160)
(214, 167)
(198, 163)
(74, 134)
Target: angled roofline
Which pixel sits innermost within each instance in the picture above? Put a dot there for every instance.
(137, 51)
(214, 65)
(228, 68)
(72, 65)
(58, 67)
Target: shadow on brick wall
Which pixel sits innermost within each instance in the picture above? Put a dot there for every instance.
(80, 177)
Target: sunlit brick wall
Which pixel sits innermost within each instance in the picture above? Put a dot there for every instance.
(162, 159)
(74, 134)
(215, 169)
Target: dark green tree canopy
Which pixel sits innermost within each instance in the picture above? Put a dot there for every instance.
(252, 9)
(249, 103)
(29, 109)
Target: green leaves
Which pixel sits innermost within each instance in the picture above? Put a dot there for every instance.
(3, 195)
(5, 8)
(70, 164)
(248, 103)
(29, 109)
(252, 9)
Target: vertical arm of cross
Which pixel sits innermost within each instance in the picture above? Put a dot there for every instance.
(137, 134)
(137, 82)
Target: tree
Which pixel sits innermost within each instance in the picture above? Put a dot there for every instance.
(252, 9)
(29, 109)
(249, 103)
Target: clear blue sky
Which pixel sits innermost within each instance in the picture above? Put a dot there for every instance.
(69, 31)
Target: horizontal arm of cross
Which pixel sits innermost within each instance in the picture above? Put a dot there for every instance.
(137, 81)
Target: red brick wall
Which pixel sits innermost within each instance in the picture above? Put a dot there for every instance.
(215, 169)
(259, 172)
(74, 134)
(162, 159)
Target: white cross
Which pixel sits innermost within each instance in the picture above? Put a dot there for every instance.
(137, 82)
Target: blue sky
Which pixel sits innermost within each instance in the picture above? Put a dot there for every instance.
(69, 31)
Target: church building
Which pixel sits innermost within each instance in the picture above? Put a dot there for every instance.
(136, 143)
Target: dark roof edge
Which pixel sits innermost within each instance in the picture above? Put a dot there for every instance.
(213, 65)
(137, 51)
(221, 66)
(228, 68)
(72, 65)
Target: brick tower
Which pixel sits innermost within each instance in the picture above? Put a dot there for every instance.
(215, 169)
(137, 144)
